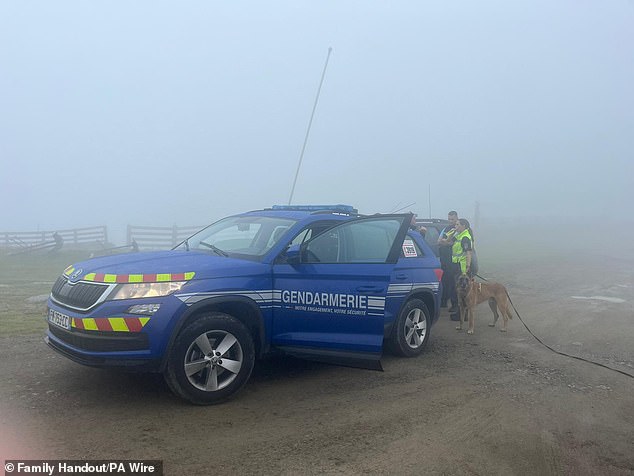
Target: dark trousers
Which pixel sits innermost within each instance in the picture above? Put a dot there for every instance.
(446, 283)
(453, 272)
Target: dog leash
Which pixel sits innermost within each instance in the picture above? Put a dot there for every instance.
(556, 351)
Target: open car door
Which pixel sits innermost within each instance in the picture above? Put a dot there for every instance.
(332, 291)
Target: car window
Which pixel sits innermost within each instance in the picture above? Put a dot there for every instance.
(277, 235)
(246, 235)
(303, 235)
(367, 241)
(313, 229)
(235, 236)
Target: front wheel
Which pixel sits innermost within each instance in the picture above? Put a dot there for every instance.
(411, 331)
(212, 359)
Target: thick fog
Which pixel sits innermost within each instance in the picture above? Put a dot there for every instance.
(162, 113)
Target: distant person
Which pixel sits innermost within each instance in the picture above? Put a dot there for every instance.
(445, 240)
(58, 242)
(461, 259)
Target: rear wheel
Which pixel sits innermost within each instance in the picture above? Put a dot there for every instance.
(411, 331)
(211, 360)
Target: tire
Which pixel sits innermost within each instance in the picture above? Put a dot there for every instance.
(411, 329)
(212, 358)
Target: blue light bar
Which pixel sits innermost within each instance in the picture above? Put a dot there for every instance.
(317, 208)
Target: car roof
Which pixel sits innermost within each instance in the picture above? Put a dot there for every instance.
(298, 212)
(432, 221)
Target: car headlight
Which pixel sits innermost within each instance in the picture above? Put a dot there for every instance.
(146, 290)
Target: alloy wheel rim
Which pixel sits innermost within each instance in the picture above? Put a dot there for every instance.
(415, 328)
(213, 360)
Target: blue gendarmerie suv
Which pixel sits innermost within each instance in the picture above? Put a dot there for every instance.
(319, 282)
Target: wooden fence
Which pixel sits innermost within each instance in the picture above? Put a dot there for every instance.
(145, 238)
(75, 237)
(159, 237)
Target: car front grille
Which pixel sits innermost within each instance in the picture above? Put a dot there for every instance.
(80, 295)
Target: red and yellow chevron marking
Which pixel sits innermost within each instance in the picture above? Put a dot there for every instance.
(117, 324)
(137, 278)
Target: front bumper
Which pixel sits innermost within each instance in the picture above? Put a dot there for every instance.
(95, 341)
(109, 336)
(91, 360)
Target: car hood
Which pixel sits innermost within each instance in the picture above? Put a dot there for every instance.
(190, 264)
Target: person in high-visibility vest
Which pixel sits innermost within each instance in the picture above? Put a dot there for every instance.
(461, 250)
(461, 256)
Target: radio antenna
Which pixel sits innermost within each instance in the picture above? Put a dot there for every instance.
(310, 123)
(396, 206)
(403, 208)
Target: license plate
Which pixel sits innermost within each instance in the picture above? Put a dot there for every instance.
(59, 319)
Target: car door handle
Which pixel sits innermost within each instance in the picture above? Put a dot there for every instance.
(370, 289)
(402, 276)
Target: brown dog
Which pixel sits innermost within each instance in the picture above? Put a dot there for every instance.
(472, 293)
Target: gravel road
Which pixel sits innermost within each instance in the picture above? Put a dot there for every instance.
(491, 403)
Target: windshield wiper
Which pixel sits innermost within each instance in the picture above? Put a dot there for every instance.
(216, 250)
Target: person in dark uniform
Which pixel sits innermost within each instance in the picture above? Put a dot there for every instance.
(445, 241)
(58, 243)
(419, 228)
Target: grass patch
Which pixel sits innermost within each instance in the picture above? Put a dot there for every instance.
(24, 281)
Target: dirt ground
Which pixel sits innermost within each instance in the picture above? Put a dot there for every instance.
(488, 404)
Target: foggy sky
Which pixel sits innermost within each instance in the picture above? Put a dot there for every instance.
(161, 113)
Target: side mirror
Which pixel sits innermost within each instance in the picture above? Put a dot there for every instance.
(293, 254)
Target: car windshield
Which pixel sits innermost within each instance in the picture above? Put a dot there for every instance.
(240, 236)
